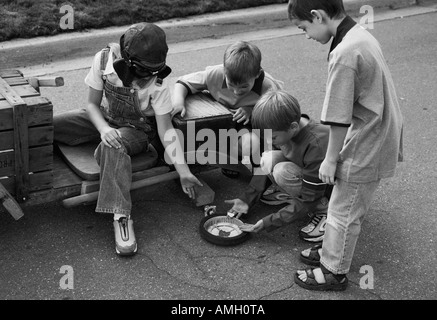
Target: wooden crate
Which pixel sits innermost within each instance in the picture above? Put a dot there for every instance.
(26, 136)
(202, 112)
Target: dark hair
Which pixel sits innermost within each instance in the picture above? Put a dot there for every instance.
(276, 110)
(242, 61)
(301, 9)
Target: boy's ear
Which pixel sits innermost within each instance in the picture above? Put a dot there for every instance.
(294, 125)
(317, 15)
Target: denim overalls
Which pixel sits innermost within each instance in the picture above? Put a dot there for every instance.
(121, 109)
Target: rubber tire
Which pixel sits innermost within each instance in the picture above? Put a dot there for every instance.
(219, 240)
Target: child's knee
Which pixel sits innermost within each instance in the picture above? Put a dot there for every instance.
(285, 174)
(103, 150)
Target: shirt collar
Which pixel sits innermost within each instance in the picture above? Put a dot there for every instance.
(114, 50)
(343, 28)
(257, 86)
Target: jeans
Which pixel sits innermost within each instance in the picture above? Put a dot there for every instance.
(286, 174)
(74, 127)
(347, 207)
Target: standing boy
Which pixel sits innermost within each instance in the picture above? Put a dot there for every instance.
(365, 139)
(237, 84)
(129, 107)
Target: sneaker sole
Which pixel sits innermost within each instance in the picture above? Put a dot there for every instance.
(315, 239)
(273, 203)
(126, 253)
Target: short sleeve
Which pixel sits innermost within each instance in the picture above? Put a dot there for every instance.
(340, 95)
(161, 99)
(195, 82)
(94, 76)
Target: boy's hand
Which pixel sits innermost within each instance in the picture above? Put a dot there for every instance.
(239, 207)
(242, 114)
(188, 182)
(111, 137)
(327, 171)
(178, 108)
(252, 227)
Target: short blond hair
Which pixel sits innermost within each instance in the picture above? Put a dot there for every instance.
(276, 110)
(242, 61)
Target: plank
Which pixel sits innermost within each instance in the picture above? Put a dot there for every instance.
(25, 91)
(37, 181)
(202, 106)
(39, 109)
(40, 159)
(37, 136)
(10, 204)
(21, 152)
(8, 73)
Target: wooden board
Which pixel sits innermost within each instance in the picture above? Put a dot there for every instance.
(10, 204)
(39, 112)
(40, 159)
(202, 112)
(202, 106)
(81, 160)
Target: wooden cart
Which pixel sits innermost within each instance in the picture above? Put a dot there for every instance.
(33, 170)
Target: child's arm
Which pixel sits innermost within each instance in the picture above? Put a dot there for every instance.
(328, 167)
(252, 227)
(110, 136)
(170, 139)
(179, 94)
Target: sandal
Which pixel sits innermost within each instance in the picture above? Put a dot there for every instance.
(331, 281)
(313, 259)
(230, 173)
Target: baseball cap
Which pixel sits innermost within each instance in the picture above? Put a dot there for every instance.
(145, 43)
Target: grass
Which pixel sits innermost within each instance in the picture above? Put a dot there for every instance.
(29, 18)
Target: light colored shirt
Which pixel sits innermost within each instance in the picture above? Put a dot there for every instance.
(360, 94)
(154, 99)
(213, 80)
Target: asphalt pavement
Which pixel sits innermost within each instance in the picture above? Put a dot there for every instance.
(396, 254)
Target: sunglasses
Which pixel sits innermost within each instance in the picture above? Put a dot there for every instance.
(140, 68)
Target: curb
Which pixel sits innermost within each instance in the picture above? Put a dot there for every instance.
(75, 45)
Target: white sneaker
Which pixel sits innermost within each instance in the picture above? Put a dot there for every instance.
(315, 229)
(125, 242)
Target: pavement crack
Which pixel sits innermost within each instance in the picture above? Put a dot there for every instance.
(266, 297)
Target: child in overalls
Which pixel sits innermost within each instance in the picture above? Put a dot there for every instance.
(129, 107)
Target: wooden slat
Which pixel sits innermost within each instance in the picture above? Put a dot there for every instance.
(37, 136)
(201, 106)
(37, 181)
(40, 112)
(50, 81)
(16, 81)
(9, 94)
(40, 159)
(25, 91)
(9, 203)
(20, 135)
(9, 73)
(21, 152)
